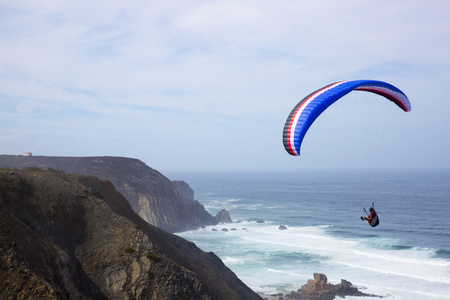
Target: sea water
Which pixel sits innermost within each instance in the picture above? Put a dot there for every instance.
(406, 257)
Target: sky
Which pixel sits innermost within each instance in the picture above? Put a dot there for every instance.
(208, 85)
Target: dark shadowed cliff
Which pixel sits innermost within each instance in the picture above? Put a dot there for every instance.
(66, 236)
(165, 204)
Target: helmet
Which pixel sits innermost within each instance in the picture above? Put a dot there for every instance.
(371, 209)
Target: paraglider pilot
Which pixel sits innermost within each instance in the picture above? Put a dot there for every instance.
(371, 218)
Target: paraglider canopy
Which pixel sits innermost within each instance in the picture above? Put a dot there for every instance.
(309, 108)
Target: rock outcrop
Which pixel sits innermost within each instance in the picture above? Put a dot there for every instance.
(66, 236)
(319, 289)
(223, 217)
(153, 196)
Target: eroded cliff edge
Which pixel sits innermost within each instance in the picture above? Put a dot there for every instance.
(161, 202)
(74, 236)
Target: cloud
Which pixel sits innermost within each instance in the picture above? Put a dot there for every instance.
(216, 79)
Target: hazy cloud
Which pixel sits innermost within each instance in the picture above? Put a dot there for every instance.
(208, 85)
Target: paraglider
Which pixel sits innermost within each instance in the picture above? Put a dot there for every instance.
(372, 217)
(307, 110)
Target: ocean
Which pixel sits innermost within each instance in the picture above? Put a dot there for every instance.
(406, 257)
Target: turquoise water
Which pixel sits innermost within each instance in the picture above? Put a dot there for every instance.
(406, 257)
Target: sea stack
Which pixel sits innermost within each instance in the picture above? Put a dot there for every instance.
(223, 217)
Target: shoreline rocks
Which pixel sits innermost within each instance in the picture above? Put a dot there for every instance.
(223, 217)
(319, 289)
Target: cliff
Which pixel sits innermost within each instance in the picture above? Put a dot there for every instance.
(183, 188)
(67, 236)
(165, 204)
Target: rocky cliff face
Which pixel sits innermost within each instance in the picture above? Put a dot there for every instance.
(165, 204)
(184, 189)
(66, 236)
